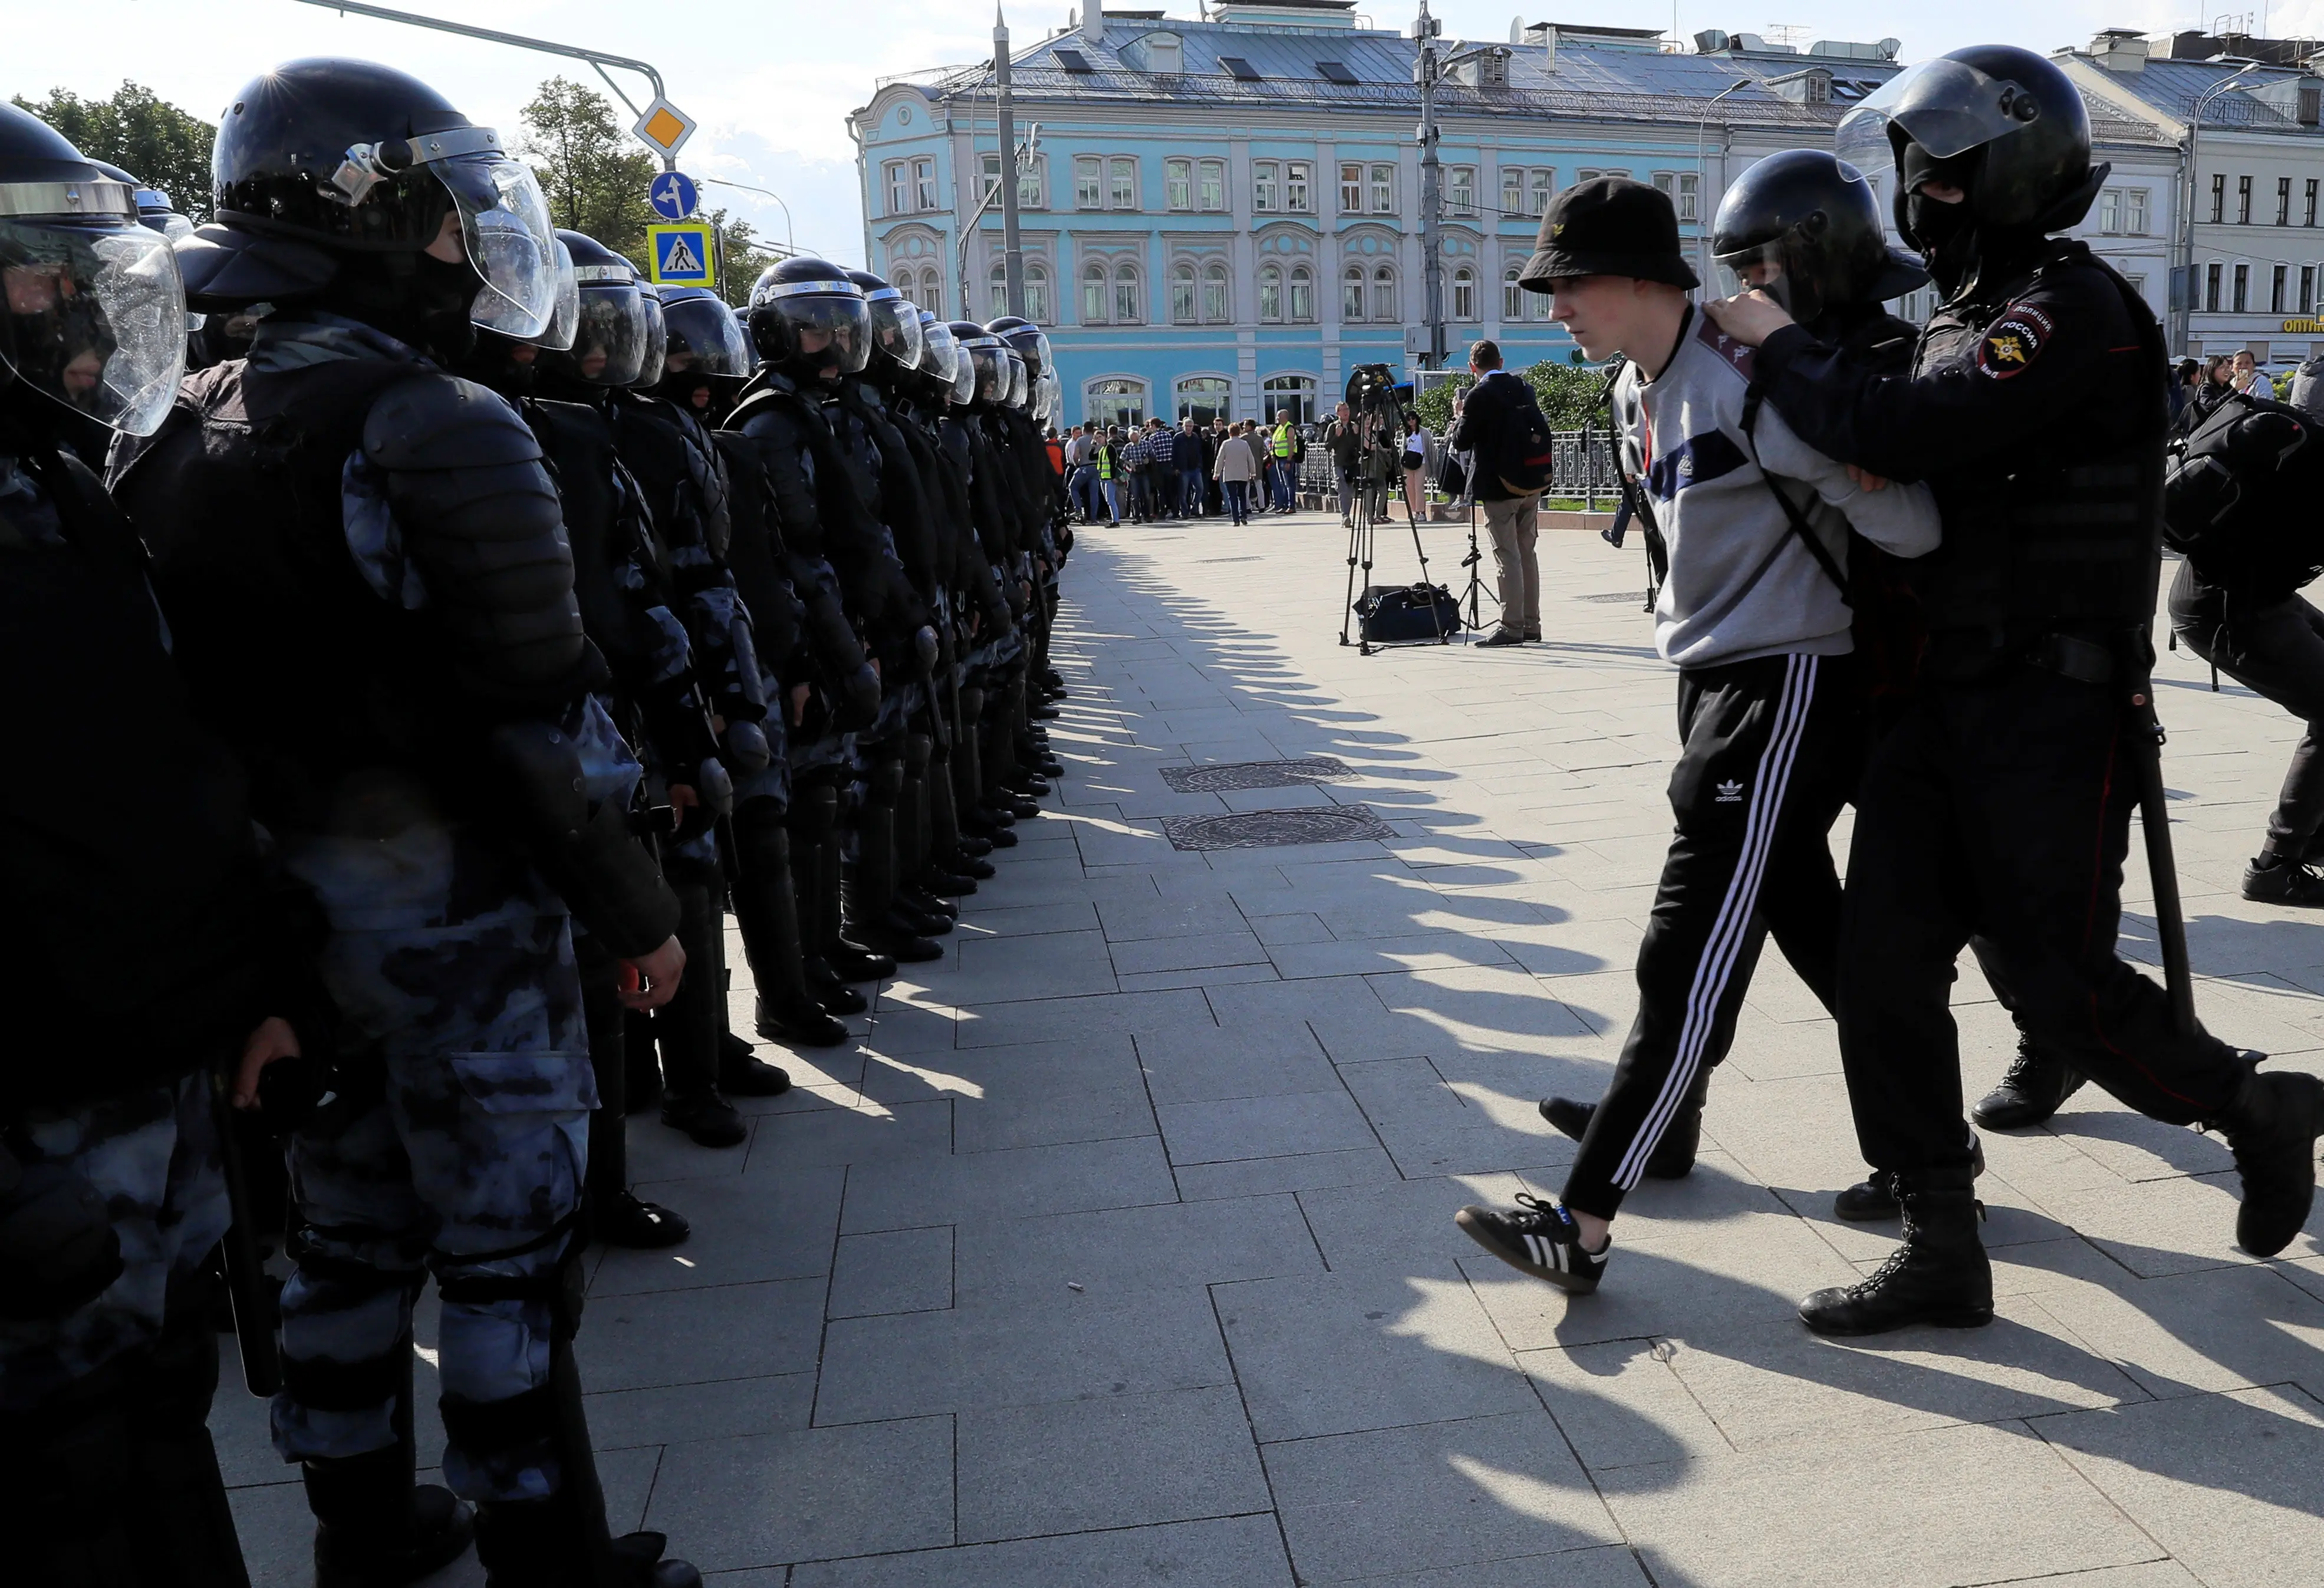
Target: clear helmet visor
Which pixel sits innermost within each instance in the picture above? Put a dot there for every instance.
(609, 340)
(1785, 269)
(657, 343)
(822, 324)
(566, 320)
(896, 326)
(1948, 107)
(966, 375)
(504, 222)
(1048, 398)
(1039, 353)
(939, 354)
(991, 362)
(94, 319)
(1020, 384)
(704, 338)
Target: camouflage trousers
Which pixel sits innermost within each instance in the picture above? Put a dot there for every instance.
(459, 1147)
(154, 1156)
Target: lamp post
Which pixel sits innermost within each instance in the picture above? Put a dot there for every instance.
(790, 236)
(1701, 187)
(1432, 239)
(2185, 308)
(1012, 252)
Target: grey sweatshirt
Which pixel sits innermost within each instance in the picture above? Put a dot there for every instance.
(1741, 585)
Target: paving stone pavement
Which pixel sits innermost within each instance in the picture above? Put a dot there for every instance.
(1117, 1249)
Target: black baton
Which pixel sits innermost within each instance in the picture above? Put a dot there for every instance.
(246, 1278)
(2155, 821)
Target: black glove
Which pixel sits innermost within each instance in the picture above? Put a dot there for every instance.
(58, 1251)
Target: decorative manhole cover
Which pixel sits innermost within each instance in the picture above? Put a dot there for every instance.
(1637, 595)
(1269, 829)
(1218, 777)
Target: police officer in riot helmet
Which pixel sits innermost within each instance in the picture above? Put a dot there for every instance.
(2036, 410)
(138, 911)
(708, 357)
(429, 771)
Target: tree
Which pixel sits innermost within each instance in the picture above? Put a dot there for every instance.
(155, 141)
(594, 177)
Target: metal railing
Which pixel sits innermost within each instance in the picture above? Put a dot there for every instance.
(1584, 467)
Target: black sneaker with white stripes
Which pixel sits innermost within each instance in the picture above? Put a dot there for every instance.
(1539, 1237)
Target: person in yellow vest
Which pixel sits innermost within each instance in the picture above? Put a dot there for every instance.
(1108, 459)
(1284, 446)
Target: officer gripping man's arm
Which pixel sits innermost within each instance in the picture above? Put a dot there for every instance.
(2036, 408)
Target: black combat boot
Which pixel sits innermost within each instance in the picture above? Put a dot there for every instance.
(741, 1072)
(766, 910)
(2032, 1090)
(2272, 1128)
(626, 1219)
(1874, 1198)
(1673, 1158)
(375, 1528)
(1939, 1276)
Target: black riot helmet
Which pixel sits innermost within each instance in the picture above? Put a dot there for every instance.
(987, 358)
(1805, 228)
(2003, 123)
(707, 355)
(333, 179)
(896, 348)
(1031, 342)
(810, 319)
(93, 314)
(650, 372)
(611, 329)
(154, 208)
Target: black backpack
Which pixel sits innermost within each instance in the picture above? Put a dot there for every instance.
(2241, 490)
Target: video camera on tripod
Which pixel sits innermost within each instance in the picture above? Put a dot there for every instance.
(1386, 615)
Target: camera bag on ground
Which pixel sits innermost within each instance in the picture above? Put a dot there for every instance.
(1398, 615)
(2240, 494)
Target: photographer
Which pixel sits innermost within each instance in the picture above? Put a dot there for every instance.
(1490, 420)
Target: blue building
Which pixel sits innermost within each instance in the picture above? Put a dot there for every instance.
(1222, 215)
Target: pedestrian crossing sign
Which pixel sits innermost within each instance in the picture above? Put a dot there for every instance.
(683, 255)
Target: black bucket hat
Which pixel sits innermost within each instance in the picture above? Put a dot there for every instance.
(1608, 226)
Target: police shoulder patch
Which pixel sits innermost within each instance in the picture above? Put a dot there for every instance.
(2012, 343)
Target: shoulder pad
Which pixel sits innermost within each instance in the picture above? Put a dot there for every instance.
(435, 420)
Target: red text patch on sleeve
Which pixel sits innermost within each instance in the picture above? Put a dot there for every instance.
(2013, 342)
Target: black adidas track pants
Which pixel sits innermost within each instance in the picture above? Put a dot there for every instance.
(1772, 749)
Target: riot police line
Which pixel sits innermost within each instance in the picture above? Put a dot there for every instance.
(428, 673)
(1915, 570)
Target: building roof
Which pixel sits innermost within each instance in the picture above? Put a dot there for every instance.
(2173, 87)
(1285, 68)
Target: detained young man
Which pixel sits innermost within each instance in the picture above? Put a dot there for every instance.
(1769, 717)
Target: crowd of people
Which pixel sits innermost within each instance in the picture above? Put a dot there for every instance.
(1915, 570)
(437, 654)
(1151, 474)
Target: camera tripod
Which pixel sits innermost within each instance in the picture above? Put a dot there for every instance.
(1371, 512)
(1474, 593)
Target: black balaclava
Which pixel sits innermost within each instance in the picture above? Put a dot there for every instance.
(1946, 233)
(421, 301)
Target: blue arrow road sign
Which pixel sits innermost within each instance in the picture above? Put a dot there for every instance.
(672, 195)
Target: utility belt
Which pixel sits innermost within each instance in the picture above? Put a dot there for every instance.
(2086, 662)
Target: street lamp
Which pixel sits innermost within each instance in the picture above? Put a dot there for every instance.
(1701, 187)
(790, 236)
(2186, 294)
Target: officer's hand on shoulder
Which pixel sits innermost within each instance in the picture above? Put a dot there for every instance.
(1750, 318)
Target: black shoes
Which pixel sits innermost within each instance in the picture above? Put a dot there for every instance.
(375, 1529)
(1873, 1199)
(2272, 1128)
(801, 1024)
(1673, 1158)
(1503, 637)
(627, 1220)
(1939, 1276)
(2032, 1090)
(823, 985)
(855, 961)
(741, 1072)
(2268, 881)
(1539, 1237)
(706, 1117)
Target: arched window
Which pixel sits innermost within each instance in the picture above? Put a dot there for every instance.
(1352, 293)
(1303, 294)
(1538, 305)
(1294, 394)
(1203, 398)
(1128, 297)
(1093, 295)
(1384, 305)
(999, 292)
(1115, 402)
(1270, 292)
(1037, 294)
(1214, 294)
(1182, 293)
(1464, 294)
(1513, 296)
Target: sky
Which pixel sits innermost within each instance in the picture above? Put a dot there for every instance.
(771, 81)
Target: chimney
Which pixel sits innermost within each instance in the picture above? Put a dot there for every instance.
(1093, 21)
(2120, 50)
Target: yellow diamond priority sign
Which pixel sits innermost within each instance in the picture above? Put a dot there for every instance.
(681, 256)
(665, 127)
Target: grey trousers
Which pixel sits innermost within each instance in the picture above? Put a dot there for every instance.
(1513, 524)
